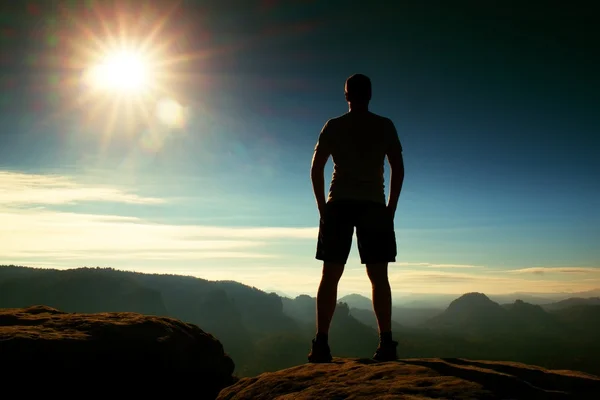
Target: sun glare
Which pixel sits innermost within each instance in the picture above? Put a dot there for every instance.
(130, 70)
(121, 71)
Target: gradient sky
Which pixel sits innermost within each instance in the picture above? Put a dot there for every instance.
(496, 108)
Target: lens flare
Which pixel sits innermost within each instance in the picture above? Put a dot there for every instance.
(170, 113)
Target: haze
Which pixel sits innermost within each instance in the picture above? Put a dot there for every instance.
(205, 172)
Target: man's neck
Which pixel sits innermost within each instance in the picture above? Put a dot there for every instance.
(358, 108)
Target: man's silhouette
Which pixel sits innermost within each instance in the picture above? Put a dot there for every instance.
(358, 142)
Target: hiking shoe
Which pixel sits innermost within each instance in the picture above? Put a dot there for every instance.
(320, 352)
(386, 351)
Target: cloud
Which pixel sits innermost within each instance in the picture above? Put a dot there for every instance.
(435, 277)
(255, 232)
(39, 233)
(433, 265)
(17, 189)
(553, 270)
(147, 255)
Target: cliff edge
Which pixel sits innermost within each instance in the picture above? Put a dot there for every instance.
(113, 353)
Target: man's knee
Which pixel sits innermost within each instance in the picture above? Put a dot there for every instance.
(332, 271)
(378, 273)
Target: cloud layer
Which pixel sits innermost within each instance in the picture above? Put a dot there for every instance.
(35, 232)
(19, 189)
(32, 230)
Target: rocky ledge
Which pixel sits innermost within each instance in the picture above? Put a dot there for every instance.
(110, 353)
(415, 379)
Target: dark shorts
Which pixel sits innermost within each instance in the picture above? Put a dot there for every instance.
(374, 232)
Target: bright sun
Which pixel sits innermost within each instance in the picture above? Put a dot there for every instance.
(124, 71)
(131, 70)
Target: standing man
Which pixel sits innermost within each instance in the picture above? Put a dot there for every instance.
(358, 142)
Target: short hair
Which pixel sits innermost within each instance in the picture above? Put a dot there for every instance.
(358, 88)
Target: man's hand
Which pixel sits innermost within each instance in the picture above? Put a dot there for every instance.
(317, 176)
(394, 155)
(322, 208)
(391, 211)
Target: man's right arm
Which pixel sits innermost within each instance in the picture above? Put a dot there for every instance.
(317, 169)
(396, 160)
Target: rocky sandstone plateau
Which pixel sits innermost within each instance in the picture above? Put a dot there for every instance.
(47, 351)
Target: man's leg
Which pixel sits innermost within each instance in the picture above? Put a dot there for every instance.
(377, 248)
(327, 296)
(326, 302)
(382, 305)
(382, 296)
(335, 240)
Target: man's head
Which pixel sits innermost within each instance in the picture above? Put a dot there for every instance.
(358, 89)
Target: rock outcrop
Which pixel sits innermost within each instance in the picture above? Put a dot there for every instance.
(111, 353)
(415, 379)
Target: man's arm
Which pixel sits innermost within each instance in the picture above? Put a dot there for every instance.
(394, 155)
(317, 170)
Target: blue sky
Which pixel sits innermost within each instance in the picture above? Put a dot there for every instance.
(497, 114)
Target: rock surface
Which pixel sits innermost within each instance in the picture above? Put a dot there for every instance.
(415, 379)
(146, 354)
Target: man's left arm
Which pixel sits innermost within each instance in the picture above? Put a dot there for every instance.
(396, 160)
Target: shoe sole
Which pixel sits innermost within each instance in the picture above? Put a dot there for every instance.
(322, 361)
(384, 358)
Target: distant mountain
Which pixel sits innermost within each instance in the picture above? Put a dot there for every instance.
(440, 300)
(368, 318)
(302, 308)
(585, 294)
(414, 316)
(471, 313)
(348, 334)
(362, 341)
(573, 301)
(357, 301)
(474, 315)
(443, 300)
(423, 300)
(529, 298)
(530, 319)
(583, 322)
(543, 298)
(362, 308)
(79, 290)
(279, 293)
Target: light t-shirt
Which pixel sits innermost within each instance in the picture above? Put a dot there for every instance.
(358, 143)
